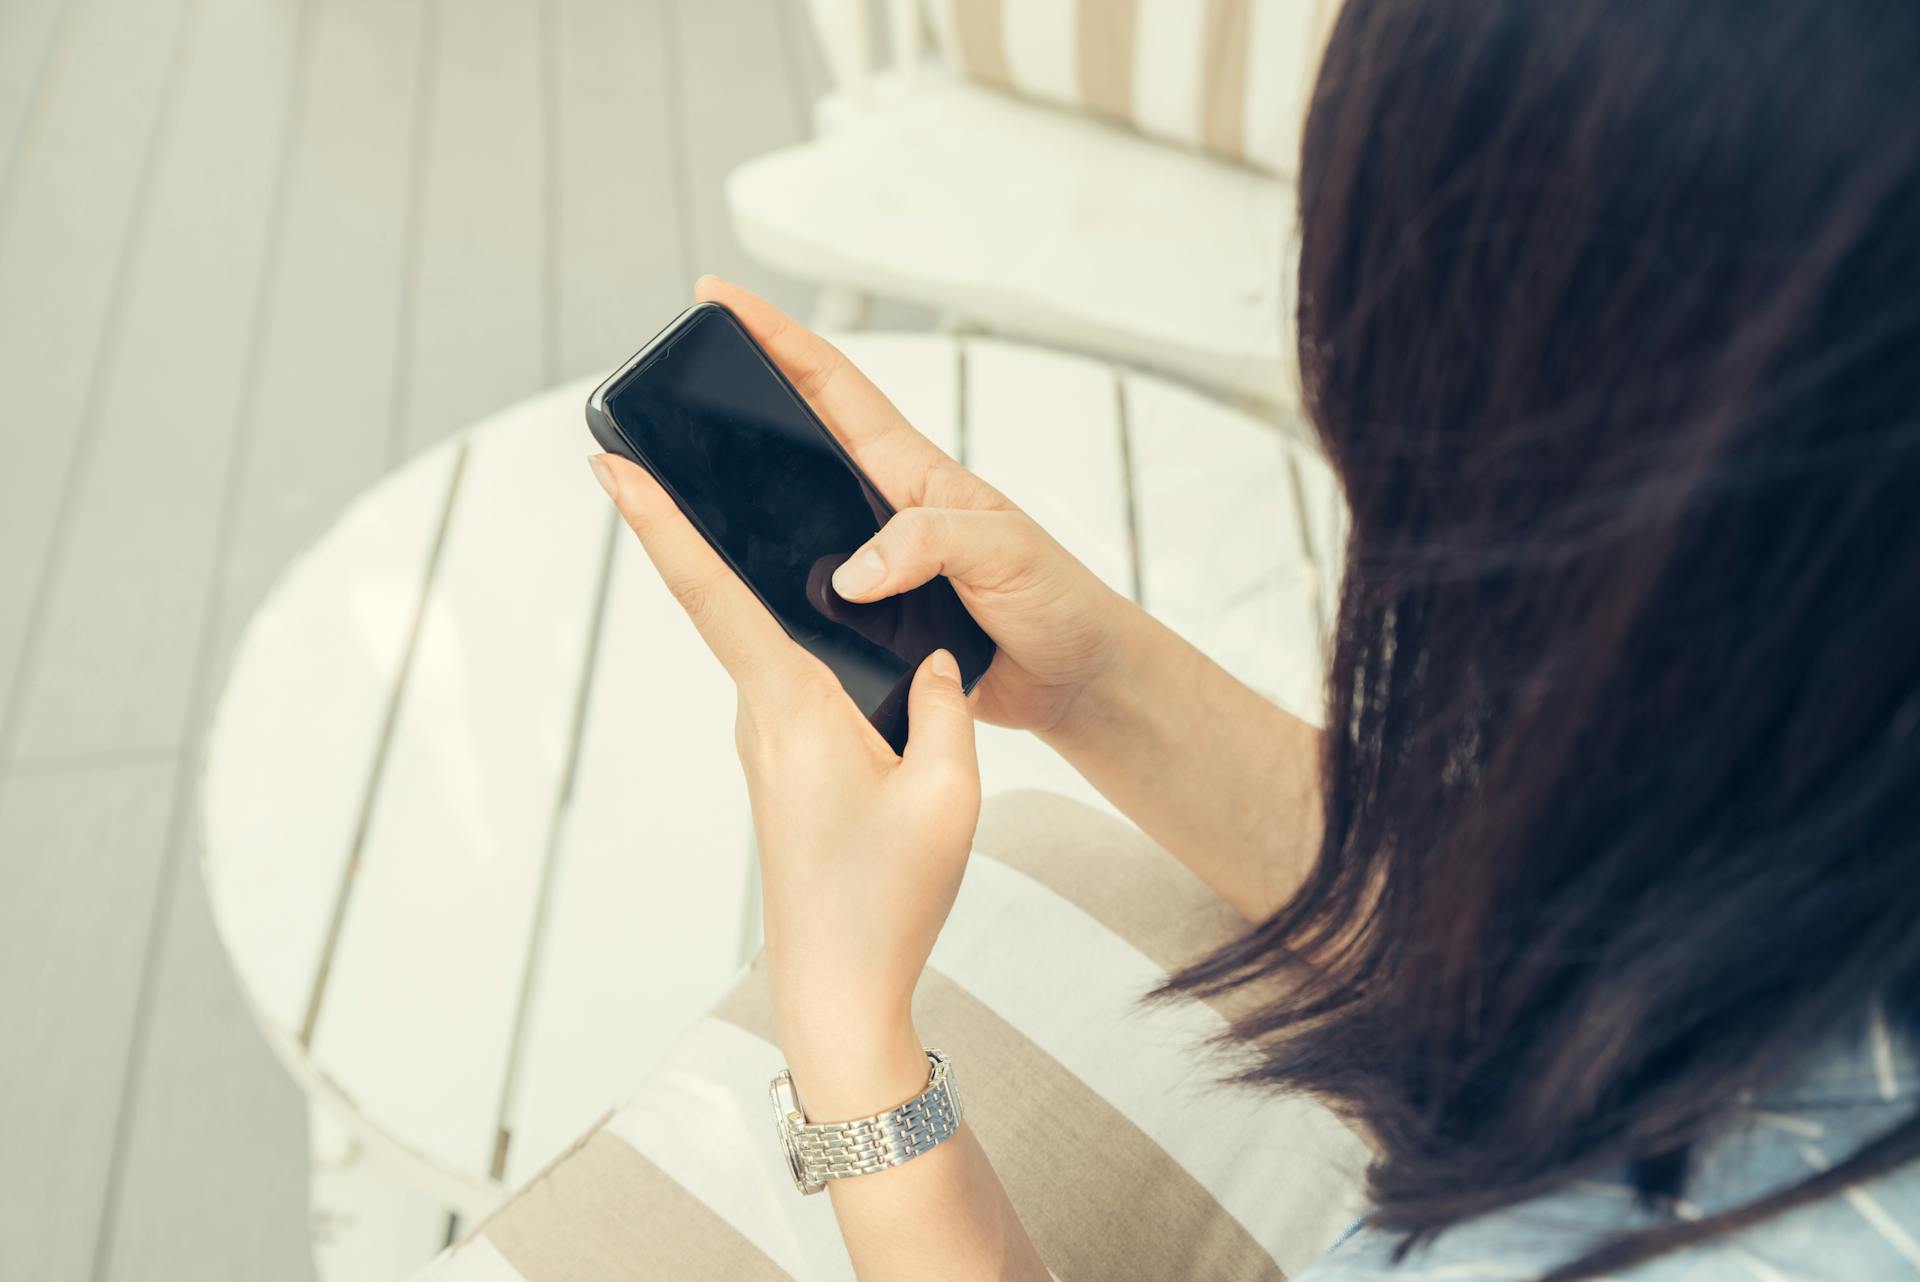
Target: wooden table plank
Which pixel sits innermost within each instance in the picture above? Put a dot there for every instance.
(298, 730)
(653, 867)
(919, 373)
(1220, 551)
(618, 260)
(1044, 427)
(420, 1009)
(116, 642)
(1011, 760)
(480, 303)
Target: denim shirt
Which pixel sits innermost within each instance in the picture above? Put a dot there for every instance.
(1850, 1092)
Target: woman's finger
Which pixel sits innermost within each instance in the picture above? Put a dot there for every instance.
(906, 466)
(940, 724)
(755, 650)
(980, 549)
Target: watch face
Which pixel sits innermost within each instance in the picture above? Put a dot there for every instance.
(787, 1115)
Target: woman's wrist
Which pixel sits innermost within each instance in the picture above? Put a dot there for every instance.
(841, 1075)
(1144, 660)
(1214, 771)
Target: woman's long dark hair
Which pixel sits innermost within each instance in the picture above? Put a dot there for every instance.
(1610, 324)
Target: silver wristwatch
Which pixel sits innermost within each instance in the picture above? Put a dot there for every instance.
(818, 1152)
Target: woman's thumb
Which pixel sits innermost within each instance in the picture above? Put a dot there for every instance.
(939, 722)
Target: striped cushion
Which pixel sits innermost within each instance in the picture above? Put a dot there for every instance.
(1228, 76)
(1122, 1155)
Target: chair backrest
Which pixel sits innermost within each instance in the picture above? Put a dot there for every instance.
(1231, 77)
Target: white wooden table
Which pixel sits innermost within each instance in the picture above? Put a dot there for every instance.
(475, 834)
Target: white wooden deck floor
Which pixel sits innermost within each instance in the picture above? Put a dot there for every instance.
(252, 254)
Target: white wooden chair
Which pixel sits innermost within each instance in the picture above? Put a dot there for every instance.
(1103, 176)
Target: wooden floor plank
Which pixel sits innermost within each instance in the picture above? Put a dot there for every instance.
(321, 411)
(620, 257)
(216, 1159)
(81, 851)
(728, 119)
(479, 313)
(74, 185)
(113, 650)
(26, 34)
(347, 365)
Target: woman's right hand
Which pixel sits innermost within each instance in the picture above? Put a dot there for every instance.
(1058, 627)
(1210, 769)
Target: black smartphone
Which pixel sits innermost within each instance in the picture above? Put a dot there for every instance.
(705, 410)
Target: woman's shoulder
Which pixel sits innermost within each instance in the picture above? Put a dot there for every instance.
(1848, 1097)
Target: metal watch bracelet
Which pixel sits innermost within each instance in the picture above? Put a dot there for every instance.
(819, 1152)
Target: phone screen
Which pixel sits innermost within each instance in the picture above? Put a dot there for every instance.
(738, 448)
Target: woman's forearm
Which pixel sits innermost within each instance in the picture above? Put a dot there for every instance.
(1209, 768)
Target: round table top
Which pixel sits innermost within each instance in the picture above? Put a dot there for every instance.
(475, 835)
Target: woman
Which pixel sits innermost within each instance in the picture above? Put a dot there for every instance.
(1596, 905)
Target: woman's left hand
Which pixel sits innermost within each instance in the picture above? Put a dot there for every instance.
(861, 852)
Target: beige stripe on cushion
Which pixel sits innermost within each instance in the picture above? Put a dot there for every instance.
(981, 29)
(1223, 121)
(1099, 1198)
(607, 1214)
(1104, 34)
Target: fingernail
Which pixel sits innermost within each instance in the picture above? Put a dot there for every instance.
(603, 474)
(859, 574)
(944, 667)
